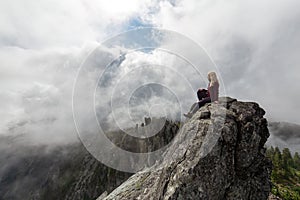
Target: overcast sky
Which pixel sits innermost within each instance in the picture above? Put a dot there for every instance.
(255, 45)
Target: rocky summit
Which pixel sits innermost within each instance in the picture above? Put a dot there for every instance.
(217, 154)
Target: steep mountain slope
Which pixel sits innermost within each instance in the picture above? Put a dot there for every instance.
(218, 154)
(66, 172)
(61, 172)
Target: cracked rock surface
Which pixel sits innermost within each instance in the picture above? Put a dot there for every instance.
(217, 154)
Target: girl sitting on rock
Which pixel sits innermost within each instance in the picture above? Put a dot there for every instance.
(206, 96)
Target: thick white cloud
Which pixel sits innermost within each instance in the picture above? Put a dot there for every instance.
(254, 43)
(145, 82)
(42, 44)
(37, 88)
(47, 23)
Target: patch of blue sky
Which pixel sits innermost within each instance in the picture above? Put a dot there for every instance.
(136, 22)
(137, 35)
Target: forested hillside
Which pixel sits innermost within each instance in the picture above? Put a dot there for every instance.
(286, 173)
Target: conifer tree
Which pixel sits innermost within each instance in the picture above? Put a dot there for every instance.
(297, 161)
(277, 158)
(287, 159)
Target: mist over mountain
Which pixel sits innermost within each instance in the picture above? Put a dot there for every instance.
(71, 69)
(63, 171)
(284, 135)
(67, 171)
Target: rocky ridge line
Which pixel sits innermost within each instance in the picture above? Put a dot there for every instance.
(218, 154)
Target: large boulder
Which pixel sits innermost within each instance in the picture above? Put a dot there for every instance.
(217, 154)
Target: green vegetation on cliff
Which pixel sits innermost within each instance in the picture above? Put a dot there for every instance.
(285, 174)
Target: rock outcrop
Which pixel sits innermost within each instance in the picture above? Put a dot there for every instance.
(217, 154)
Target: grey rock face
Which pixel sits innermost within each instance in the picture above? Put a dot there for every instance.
(217, 154)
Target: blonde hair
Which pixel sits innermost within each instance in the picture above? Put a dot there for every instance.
(212, 77)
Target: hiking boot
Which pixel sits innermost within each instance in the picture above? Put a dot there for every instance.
(188, 115)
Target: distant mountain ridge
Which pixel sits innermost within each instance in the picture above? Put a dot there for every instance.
(65, 172)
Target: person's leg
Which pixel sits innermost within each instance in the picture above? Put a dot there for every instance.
(204, 101)
(194, 106)
(190, 113)
(201, 103)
